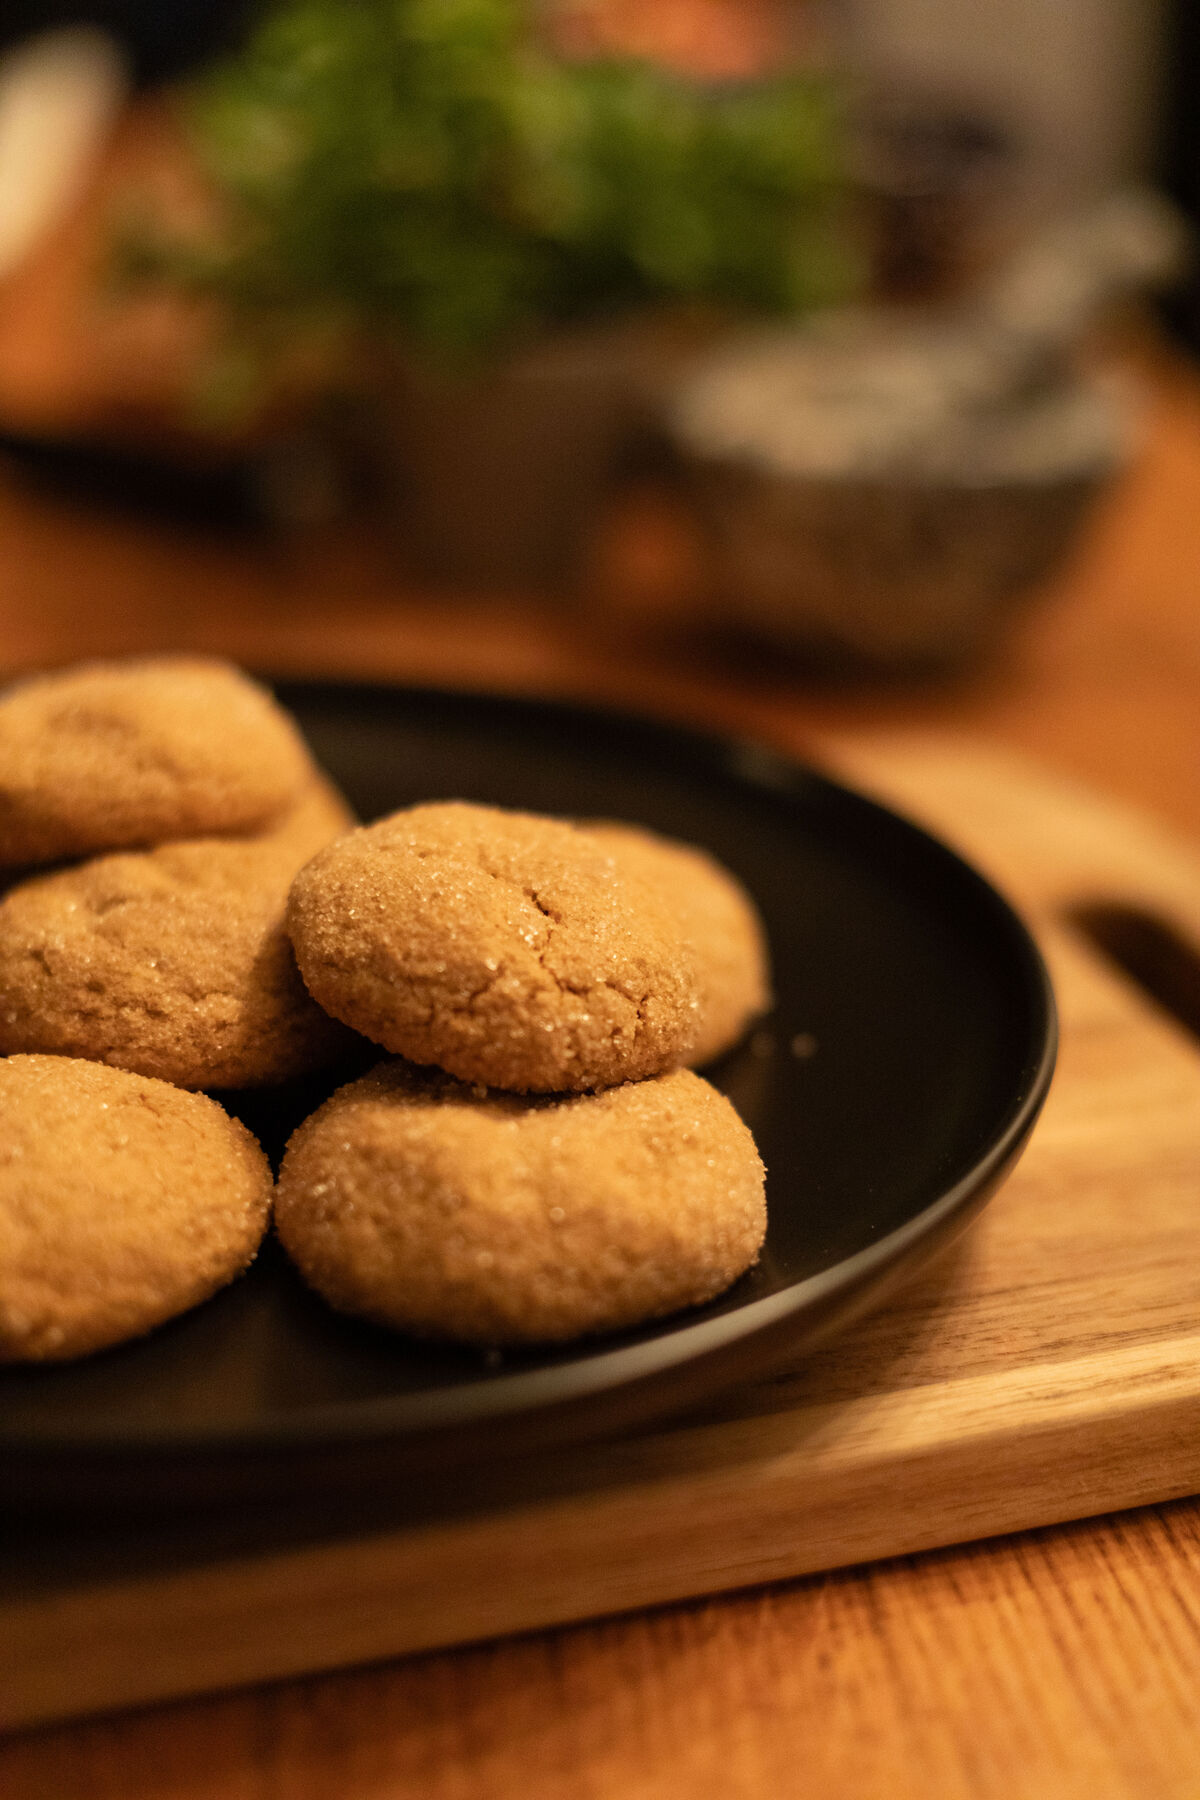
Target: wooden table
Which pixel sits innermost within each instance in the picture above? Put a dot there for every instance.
(1058, 1663)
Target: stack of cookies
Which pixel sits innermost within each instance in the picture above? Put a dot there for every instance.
(538, 1161)
(562, 1172)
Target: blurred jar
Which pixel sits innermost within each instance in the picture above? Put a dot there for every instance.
(936, 182)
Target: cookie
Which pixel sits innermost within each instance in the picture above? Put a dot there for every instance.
(171, 962)
(719, 921)
(450, 1212)
(122, 1203)
(108, 756)
(502, 947)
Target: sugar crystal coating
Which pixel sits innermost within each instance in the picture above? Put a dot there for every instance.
(171, 962)
(123, 1202)
(452, 1212)
(717, 919)
(108, 756)
(503, 947)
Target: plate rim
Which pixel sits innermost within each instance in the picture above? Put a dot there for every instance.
(500, 1396)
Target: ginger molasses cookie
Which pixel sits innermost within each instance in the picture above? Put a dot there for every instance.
(122, 1202)
(451, 1212)
(500, 946)
(717, 918)
(108, 756)
(172, 962)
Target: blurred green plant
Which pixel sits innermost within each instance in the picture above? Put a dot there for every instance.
(425, 169)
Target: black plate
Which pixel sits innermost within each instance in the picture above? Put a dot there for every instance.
(890, 1091)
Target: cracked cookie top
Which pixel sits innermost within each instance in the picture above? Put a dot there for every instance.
(109, 756)
(172, 962)
(122, 1202)
(451, 1212)
(502, 947)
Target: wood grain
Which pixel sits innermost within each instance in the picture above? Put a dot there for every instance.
(1054, 1665)
(1052, 1372)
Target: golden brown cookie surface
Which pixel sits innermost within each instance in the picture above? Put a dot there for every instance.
(437, 1209)
(109, 756)
(171, 962)
(122, 1202)
(503, 947)
(717, 918)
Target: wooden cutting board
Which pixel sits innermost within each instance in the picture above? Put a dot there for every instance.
(1047, 1368)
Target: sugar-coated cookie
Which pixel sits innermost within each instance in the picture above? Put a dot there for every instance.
(122, 1202)
(451, 1212)
(718, 919)
(500, 946)
(172, 962)
(108, 756)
